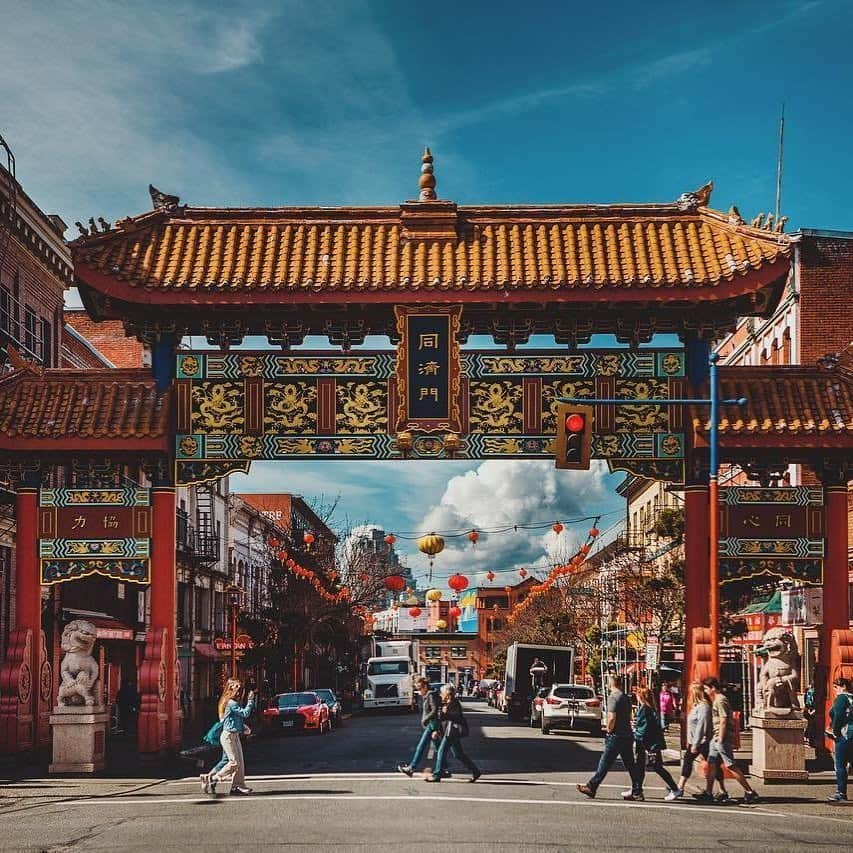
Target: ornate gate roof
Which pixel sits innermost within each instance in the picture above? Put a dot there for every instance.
(640, 259)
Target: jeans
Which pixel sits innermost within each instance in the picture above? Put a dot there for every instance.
(843, 757)
(622, 746)
(455, 746)
(220, 764)
(423, 743)
(655, 763)
(235, 770)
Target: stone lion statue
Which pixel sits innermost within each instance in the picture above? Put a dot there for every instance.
(79, 670)
(779, 677)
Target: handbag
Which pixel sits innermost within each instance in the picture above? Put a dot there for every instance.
(213, 733)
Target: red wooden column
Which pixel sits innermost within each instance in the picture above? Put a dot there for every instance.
(836, 615)
(26, 682)
(160, 717)
(697, 554)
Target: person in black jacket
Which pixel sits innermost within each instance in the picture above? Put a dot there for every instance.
(453, 727)
(430, 704)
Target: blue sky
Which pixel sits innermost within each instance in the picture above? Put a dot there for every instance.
(332, 102)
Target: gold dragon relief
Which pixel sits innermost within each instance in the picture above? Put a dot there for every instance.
(362, 407)
(653, 417)
(497, 407)
(533, 364)
(582, 388)
(218, 407)
(290, 407)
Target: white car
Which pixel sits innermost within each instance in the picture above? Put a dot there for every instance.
(571, 706)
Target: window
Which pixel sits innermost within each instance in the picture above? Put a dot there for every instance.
(458, 651)
(5, 310)
(388, 667)
(30, 335)
(432, 651)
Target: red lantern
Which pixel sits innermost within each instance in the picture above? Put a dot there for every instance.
(593, 532)
(414, 612)
(522, 572)
(557, 528)
(395, 583)
(282, 555)
(490, 576)
(455, 611)
(390, 539)
(473, 536)
(274, 543)
(291, 563)
(308, 538)
(584, 549)
(457, 582)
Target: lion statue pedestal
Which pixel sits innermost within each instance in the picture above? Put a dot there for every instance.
(778, 751)
(79, 720)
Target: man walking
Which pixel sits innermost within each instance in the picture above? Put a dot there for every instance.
(721, 748)
(841, 716)
(619, 741)
(430, 704)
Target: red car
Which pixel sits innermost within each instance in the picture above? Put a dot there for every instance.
(297, 712)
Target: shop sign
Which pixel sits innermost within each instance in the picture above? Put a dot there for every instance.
(802, 605)
(242, 643)
(104, 531)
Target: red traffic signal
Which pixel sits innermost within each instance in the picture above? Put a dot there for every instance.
(573, 441)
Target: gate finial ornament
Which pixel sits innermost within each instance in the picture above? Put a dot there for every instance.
(427, 179)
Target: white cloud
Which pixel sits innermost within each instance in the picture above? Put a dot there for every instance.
(512, 494)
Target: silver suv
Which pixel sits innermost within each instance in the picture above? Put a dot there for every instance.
(570, 706)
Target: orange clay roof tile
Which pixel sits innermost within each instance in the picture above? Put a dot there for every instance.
(782, 400)
(83, 404)
(358, 249)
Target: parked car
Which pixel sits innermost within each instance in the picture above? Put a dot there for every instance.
(333, 703)
(570, 706)
(536, 707)
(297, 712)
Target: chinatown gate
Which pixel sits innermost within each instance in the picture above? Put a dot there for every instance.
(428, 275)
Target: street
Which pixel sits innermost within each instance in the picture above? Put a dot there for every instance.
(342, 789)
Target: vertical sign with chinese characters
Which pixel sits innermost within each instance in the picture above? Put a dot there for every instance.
(777, 532)
(428, 368)
(104, 531)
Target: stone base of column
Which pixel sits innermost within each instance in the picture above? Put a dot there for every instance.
(79, 739)
(778, 751)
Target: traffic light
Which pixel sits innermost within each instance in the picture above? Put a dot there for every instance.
(573, 441)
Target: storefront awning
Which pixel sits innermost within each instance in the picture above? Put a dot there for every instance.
(207, 651)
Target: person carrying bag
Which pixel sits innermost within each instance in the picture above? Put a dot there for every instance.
(453, 727)
(232, 721)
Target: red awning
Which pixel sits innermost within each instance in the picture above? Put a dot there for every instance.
(206, 650)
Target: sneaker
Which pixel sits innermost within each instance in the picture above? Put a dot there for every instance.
(703, 797)
(404, 768)
(205, 783)
(751, 797)
(475, 776)
(241, 791)
(432, 778)
(837, 798)
(211, 784)
(587, 791)
(630, 796)
(722, 797)
(446, 774)
(673, 795)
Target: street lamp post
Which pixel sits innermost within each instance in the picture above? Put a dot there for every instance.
(235, 602)
(714, 402)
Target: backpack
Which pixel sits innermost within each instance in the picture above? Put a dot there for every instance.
(213, 733)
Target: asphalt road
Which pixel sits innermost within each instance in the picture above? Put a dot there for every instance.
(341, 791)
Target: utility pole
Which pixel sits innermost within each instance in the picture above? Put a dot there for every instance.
(779, 165)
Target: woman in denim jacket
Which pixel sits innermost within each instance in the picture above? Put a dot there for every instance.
(233, 725)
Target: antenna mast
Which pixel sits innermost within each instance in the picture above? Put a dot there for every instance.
(779, 164)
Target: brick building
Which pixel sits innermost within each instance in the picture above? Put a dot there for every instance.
(35, 270)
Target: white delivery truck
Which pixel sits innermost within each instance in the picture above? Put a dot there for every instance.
(390, 675)
(529, 668)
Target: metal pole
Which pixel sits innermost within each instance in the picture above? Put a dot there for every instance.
(714, 517)
(233, 641)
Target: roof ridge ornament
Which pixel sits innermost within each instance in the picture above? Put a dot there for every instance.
(160, 200)
(698, 198)
(427, 179)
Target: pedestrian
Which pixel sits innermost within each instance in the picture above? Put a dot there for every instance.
(649, 744)
(667, 706)
(430, 705)
(810, 708)
(700, 729)
(538, 671)
(618, 741)
(453, 727)
(841, 717)
(721, 748)
(233, 719)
